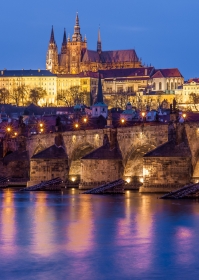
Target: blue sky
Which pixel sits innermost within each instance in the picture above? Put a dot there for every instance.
(163, 33)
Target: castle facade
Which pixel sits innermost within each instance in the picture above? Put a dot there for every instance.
(75, 57)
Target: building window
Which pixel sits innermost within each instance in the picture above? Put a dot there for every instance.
(172, 86)
(154, 87)
(160, 86)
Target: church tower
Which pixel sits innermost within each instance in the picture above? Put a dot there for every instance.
(76, 48)
(52, 54)
(99, 108)
(63, 56)
(99, 43)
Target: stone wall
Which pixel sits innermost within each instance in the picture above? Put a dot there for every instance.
(15, 169)
(47, 169)
(96, 172)
(134, 142)
(164, 174)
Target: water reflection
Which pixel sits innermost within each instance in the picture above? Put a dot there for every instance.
(73, 236)
(7, 223)
(42, 232)
(79, 231)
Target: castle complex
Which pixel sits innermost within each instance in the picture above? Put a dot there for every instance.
(75, 57)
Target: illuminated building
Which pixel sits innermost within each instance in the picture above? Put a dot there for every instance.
(75, 57)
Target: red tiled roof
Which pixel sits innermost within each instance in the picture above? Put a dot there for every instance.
(110, 56)
(127, 72)
(167, 73)
(196, 80)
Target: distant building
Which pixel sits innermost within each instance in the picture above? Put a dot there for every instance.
(183, 94)
(167, 80)
(75, 57)
(12, 79)
(99, 108)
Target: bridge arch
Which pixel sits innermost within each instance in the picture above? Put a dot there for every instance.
(39, 148)
(75, 160)
(133, 165)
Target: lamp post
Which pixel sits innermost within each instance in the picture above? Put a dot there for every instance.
(41, 127)
(143, 116)
(76, 125)
(122, 121)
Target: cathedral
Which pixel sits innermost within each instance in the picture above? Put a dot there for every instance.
(75, 58)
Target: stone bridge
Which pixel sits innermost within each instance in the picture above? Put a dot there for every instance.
(134, 142)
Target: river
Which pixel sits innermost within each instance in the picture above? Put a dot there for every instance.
(74, 236)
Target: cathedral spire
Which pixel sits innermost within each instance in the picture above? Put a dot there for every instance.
(77, 37)
(64, 37)
(64, 43)
(77, 20)
(99, 92)
(52, 37)
(99, 43)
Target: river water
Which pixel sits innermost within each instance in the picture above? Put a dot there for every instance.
(73, 236)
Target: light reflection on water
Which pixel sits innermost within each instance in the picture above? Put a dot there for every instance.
(74, 236)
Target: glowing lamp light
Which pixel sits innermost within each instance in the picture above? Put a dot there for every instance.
(15, 133)
(8, 129)
(76, 125)
(73, 179)
(85, 120)
(41, 130)
(41, 124)
(122, 120)
(143, 114)
(128, 180)
(184, 115)
(141, 180)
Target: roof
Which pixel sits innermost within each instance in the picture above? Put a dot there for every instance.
(51, 152)
(16, 156)
(167, 73)
(26, 73)
(85, 74)
(104, 152)
(127, 72)
(169, 149)
(196, 80)
(110, 56)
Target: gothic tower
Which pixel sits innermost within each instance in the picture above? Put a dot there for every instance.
(52, 54)
(99, 43)
(63, 56)
(76, 48)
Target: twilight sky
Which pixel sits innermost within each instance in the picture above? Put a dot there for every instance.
(163, 33)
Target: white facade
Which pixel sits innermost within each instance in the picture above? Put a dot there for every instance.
(99, 109)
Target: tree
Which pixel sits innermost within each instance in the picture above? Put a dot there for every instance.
(23, 92)
(36, 94)
(117, 99)
(73, 96)
(194, 99)
(16, 96)
(4, 95)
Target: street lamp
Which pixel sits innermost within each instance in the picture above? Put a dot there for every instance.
(8, 129)
(184, 115)
(76, 125)
(122, 121)
(85, 120)
(143, 115)
(15, 134)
